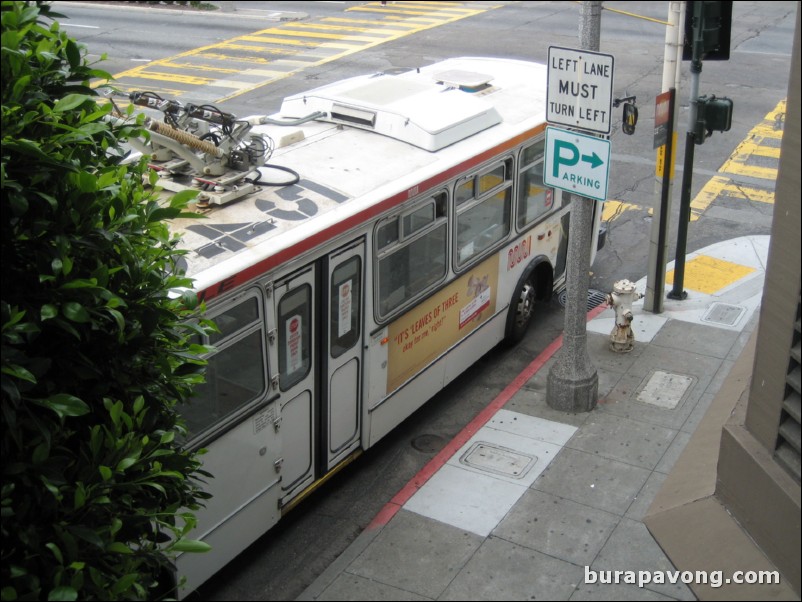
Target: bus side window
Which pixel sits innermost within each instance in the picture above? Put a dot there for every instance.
(236, 373)
(534, 197)
(417, 260)
(485, 220)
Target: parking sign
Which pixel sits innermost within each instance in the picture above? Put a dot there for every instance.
(577, 163)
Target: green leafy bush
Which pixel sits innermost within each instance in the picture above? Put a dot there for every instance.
(97, 493)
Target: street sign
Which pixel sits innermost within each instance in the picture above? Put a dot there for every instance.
(577, 163)
(661, 104)
(580, 89)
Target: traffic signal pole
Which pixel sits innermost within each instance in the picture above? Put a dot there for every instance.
(677, 291)
(664, 179)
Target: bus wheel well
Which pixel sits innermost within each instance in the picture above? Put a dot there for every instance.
(535, 285)
(542, 277)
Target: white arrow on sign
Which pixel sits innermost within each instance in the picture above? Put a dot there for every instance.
(577, 163)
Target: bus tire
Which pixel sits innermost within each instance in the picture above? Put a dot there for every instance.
(522, 309)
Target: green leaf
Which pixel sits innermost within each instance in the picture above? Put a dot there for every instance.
(41, 452)
(76, 312)
(18, 204)
(64, 593)
(86, 182)
(190, 545)
(105, 472)
(79, 499)
(88, 535)
(70, 102)
(56, 552)
(80, 283)
(67, 267)
(118, 547)
(125, 463)
(19, 372)
(64, 404)
(155, 486)
(118, 318)
(124, 584)
(29, 149)
(73, 54)
(181, 199)
(48, 311)
(51, 200)
(22, 83)
(115, 411)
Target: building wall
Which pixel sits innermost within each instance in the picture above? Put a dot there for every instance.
(762, 493)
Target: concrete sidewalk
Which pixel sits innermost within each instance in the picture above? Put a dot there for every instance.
(530, 503)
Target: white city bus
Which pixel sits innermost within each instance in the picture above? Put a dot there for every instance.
(414, 234)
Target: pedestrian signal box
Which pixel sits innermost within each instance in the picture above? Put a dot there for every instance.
(712, 115)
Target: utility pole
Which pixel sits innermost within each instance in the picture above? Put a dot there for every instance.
(573, 381)
(661, 220)
(710, 24)
(677, 292)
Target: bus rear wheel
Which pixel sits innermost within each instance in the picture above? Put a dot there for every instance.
(522, 309)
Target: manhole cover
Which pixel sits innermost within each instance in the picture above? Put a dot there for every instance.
(724, 313)
(428, 443)
(595, 298)
(498, 460)
(664, 389)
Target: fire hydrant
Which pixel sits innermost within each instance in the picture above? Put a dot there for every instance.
(622, 340)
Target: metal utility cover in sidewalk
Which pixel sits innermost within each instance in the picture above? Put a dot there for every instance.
(494, 459)
(664, 389)
(724, 313)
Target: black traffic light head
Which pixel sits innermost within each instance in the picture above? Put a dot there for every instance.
(712, 115)
(708, 26)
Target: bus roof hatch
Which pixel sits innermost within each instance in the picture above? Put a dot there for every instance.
(413, 107)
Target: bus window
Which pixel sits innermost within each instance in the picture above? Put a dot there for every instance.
(387, 234)
(534, 197)
(417, 261)
(464, 192)
(485, 220)
(345, 298)
(488, 180)
(295, 336)
(236, 371)
(418, 219)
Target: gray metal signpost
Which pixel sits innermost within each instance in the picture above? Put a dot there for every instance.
(573, 381)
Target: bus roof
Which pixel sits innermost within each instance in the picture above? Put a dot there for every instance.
(380, 140)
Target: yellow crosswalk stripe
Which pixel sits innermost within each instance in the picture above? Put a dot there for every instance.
(292, 45)
(709, 275)
(760, 143)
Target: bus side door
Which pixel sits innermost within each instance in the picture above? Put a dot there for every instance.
(319, 336)
(342, 410)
